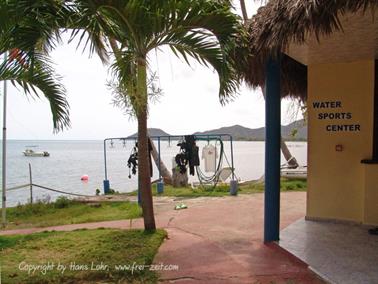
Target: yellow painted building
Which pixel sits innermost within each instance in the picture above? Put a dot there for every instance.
(324, 53)
(340, 99)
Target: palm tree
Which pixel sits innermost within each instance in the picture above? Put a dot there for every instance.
(198, 30)
(27, 32)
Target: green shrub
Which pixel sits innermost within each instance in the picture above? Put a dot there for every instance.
(299, 184)
(36, 208)
(62, 202)
(112, 191)
(290, 187)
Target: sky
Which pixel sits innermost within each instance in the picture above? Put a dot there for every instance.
(189, 103)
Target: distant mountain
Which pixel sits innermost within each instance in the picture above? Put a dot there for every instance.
(239, 132)
(152, 132)
(296, 130)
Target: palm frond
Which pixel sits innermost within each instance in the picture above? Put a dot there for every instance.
(32, 24)
(40, 80)
(203, 30)
(30, 30)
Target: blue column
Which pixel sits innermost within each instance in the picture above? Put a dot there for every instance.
(272, 150)
(160, 184)
(159, 158)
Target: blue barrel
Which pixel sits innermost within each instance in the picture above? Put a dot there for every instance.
(233, 187)
(106, 186)
(160, 187)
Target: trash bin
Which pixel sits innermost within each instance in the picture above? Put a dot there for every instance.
(106, 186)
(160, 187)
(233, 187)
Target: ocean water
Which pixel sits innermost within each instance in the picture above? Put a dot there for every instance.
(69, 160)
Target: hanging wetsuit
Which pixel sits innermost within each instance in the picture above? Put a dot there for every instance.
(181, 158)
(149, 156)
(133, 160)
(192, 152)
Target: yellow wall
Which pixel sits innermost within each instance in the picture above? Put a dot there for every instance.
(337, 180)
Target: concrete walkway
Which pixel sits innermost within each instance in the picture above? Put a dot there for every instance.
(342, 253)
(221, 242)
(218, 240)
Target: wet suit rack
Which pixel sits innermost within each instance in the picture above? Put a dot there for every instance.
(169, 138)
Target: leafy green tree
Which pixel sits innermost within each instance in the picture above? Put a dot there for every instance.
(199, 30)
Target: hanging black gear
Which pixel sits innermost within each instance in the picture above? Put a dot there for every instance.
(132, 162)
(188, 155)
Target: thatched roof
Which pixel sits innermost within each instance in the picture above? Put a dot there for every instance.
(281, 22)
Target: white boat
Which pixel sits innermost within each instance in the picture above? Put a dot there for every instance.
(32, 153)
(297, 173)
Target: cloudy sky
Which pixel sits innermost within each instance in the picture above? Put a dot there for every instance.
(189, 103)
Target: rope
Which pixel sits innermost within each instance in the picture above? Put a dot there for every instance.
(60, 191)
(17, 187)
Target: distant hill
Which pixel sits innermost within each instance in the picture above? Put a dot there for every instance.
(300, 126)
(151, 132)
(239, 132)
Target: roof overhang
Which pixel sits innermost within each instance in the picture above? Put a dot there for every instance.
(357, 41)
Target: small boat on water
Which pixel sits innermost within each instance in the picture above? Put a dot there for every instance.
(31, 153)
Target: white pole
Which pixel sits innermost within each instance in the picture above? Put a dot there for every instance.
(4, 165)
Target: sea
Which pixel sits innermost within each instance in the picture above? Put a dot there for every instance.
(70, 160)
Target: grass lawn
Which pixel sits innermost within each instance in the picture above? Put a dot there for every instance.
(82, 256)
(65, 211)
(224, 190)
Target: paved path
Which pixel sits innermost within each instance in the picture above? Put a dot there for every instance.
(219, 240)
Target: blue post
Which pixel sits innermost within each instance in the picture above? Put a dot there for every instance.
(232, 159)
(159, 157)
(272, 150)
(106, 181)
(233, 182)
(160, 184)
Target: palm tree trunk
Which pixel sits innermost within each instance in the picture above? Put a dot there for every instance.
(165, 173)
(290, 159)
(144, 177)
(244, 11)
